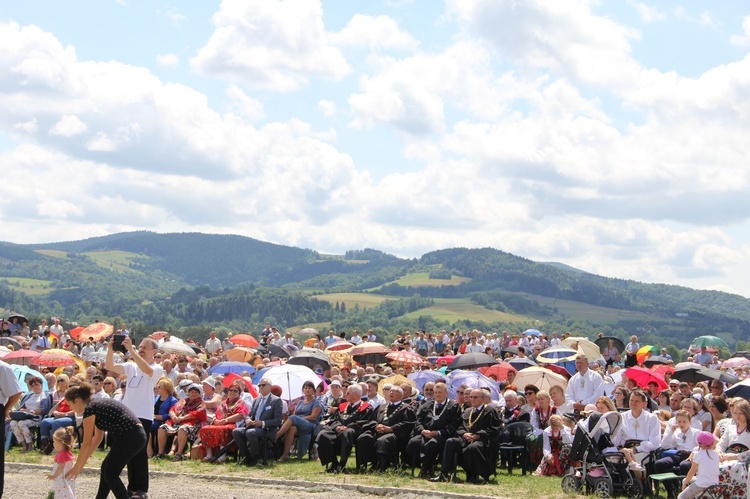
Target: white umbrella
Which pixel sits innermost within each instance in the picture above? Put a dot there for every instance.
(101, 356)
(178, 348)
(290, 378)
(588, 348)
(172, 339)
(542, 378)
(4, 351)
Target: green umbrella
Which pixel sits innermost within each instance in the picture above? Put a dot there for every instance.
(709, 341)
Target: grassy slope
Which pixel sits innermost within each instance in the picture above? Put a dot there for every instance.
(456, 309)
(33, 287)
(364, 300)
(113, 260)
(422, 279)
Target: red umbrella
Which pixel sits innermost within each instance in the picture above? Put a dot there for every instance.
(500, 371)
(558, 369)
(76, 331)
(97, 330)
(661, 369)
(339, 345)
(55, 359)
(405, 357)
(446, 358)
(21, 357)
(643, 376)
(229, 378)
(244, 340)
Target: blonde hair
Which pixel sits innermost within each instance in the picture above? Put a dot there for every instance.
(167, 384)
(608, 402)
(555, 420)
(65, 436)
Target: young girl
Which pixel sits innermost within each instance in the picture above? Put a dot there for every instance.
(63, 440)
(705, 467)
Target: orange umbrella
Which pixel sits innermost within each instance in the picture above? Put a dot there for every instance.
(241, 354)
(244, 340)
(55, 357)
(645, 352)
(500, 371)
(97, 331)
(76, 331)
(405, 357)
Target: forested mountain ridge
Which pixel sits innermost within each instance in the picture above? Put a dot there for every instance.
(193, 279)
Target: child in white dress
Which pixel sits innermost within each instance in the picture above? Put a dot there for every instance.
(705, 467)
(63, 440)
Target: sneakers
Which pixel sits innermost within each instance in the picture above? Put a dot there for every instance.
(635, 466)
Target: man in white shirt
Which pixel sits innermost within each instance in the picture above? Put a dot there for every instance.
(42, 343)
(88, 349)
(585, 387)
(56, 328)
(638, 424)
(355, 339)
(473, 346)
(142, 376)
(213, 344)
(373, 397)
(554, 341)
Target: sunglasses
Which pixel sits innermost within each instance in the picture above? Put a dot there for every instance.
(460, 393)
(262, 384)
(60, 380)
(530, 393)
(235, 391)
(476, 396)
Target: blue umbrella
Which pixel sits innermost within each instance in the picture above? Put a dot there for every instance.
(472, 379)
(561, 356)
(532, 332)
(231, 366)
(521, 363)
(22, 372)
(259, 375)
(422, 377)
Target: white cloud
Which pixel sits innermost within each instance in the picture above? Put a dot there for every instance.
(244, 105)
(328, 108)
(68, 126)
(744, 38)
(381, 32)
(30, 126)
(707, 19)
(168, 60)
(648, 13)
(272, 44)
(174, 17)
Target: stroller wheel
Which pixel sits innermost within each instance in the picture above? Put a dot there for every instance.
(603, 488)
(634, 490)
(571, 484)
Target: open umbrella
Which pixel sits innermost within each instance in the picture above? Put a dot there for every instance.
(603, 343)
(499, 371)
(512, 349)
(339, 345)
(368, 347)
(231, 367)
(55, 357)
(229, 378)
(532, 332)
(735, 362)
(655, 359)
(521, 363)
(645, 352)
(76, 332)
(422, 377)
(307, 331)
(4, 351)
(561, 356)
(244, 340)
(178, 348)
(472, 360)
(661, 370)
(101, 357)
(157, 335)
(556, 368)
(445, 359)
(542, 378)
(588, 348)
(396, 379)
(339, 358)
(313, 358)
(471, 379)
(97, 330)
(688, 373)
(240, 354)
(10, 341)
(741, 389)
(643, 376)
(741, 354)
(716, 374)
(21, 357)
(277, 351)
(290, 378)
(405, 357)
(23, 372)
(708, 341)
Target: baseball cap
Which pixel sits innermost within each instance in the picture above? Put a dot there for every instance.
(705, 438)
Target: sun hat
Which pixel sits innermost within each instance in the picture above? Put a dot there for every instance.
(195, 386)
(210, 381)
(185, 383)
(705, 438)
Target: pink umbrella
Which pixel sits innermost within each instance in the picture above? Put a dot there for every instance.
(643, 376)
(21, 357)
(404, 357)
(339, 345)
(736, 362)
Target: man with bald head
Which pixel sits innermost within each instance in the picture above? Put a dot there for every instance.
(473, 441)
(337, 437)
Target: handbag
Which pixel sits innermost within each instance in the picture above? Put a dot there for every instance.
(197, 451)
(21, 415)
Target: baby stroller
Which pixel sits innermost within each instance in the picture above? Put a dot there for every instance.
(601, 472)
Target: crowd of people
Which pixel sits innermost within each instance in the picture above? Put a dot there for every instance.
(437, 427)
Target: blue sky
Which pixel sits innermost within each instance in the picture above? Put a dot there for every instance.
(610, 136)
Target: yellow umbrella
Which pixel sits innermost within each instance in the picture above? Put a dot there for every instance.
(395, 380)
(339, 358)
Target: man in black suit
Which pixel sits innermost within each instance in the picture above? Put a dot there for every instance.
(474, 441)
(263, 423)
(336, 439)
(437, 421)
(380, 440)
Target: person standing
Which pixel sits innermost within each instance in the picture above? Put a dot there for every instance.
(142, 377)
(127, 438)
(631, 350)
(213, 344)
(10, 392)
(585, 387)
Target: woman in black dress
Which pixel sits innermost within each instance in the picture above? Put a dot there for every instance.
(128, 437)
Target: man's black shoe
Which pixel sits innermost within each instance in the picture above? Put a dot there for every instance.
(440, 478)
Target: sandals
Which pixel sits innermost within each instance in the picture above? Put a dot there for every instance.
(207, 459)
(177, 458)
(159, 456)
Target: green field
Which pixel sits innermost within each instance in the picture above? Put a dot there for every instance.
(593, 313)
(456, 309)
(364, 300)
(28, 286)
(53, 253)
(422, 279)
(113, 260)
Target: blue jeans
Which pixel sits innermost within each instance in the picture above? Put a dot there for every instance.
(49, 426)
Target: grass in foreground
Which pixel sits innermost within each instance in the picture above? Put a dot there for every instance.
(502, 485)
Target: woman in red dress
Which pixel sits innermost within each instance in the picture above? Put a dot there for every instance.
(231, 411)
